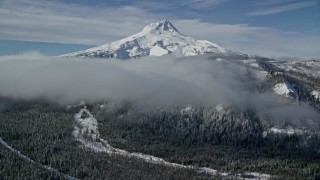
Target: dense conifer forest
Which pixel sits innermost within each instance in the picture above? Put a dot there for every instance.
(230, 142)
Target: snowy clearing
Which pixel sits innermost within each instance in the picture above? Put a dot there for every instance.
(284, 89)
(288, 131)
(316, 94)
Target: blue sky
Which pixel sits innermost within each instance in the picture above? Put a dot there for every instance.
(269, 28)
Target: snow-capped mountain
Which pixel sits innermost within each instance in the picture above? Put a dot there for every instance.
(156, 39)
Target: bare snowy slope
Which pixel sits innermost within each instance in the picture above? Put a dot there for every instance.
(156, 39)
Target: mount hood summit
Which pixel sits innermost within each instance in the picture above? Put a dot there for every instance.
(156, 39)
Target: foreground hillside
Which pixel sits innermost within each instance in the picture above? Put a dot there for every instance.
(199, 137)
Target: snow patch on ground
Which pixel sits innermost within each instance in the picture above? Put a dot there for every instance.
(284, 89)
(257, 176)
(86, 132)
(251, 62)
(158, 51)
(288, 131)
(186, 110)
(316, 94)
(264, 134)
(219, 108)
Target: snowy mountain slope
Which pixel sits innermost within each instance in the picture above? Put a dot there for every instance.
(156, 39)
(305, 74)
(309, 68)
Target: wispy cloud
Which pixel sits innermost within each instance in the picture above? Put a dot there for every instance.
(49, 21)
(283, 8)
(199, 4)
(272, 2)
(254, 40)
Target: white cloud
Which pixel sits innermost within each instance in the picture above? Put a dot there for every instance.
(199, 4)
(283, 8)
(272, 2)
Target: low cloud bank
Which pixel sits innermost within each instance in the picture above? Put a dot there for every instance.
(152, 80)
(163, 80)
